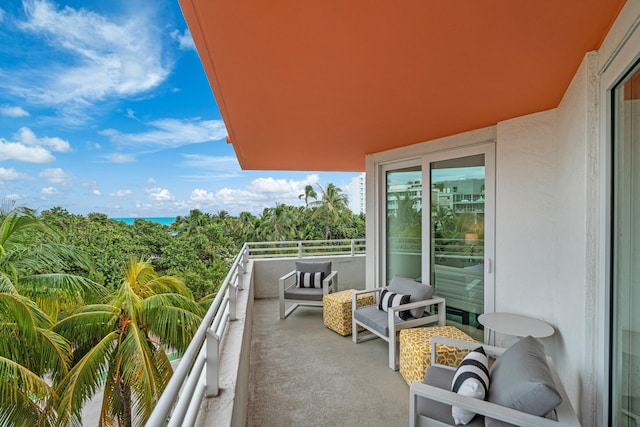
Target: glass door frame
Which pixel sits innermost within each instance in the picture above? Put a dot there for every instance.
(422, 155)
(612, 65)
(490, 214)
(386, 168)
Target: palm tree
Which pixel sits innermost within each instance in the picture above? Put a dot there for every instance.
(309, 192)
(278, 223)
(124, 343)
(35, 285)
(29, 350)
(330, 207)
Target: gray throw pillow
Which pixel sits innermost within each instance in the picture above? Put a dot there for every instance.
(418, 292)
(521, 379)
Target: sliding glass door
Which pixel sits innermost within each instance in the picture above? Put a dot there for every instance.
(625, 322)
(457, 238)
(438, 228)
(404, 222)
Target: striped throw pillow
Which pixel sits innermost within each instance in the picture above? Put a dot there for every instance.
(390, 299)
(310, 280)
(471, 379)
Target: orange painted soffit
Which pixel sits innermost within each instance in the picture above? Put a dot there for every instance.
(317, 85)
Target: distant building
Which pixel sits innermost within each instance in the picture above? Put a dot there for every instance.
(464, 195)
(357, 199)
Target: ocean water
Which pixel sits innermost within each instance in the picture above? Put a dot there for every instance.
(160, 220)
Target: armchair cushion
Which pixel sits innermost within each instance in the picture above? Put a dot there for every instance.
(441, 378)
(374, 318)
(307, 294)
(389, 299)
(527, 387)
(418, 292)
(311, 274)
(471, 379)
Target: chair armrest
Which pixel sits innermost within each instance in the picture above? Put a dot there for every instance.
(425, 303)
(354, 297)
(467, 345)
(478, 406)
(330, 283)
(282, 282)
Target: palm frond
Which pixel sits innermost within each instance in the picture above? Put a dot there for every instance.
(88, 325)
(6, 284)
(172, 318)
(83, 380)
(139, 370)
(23, 393)
(24, 312)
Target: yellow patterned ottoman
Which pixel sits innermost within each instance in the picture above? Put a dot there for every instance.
(415, 350)
(336, 311)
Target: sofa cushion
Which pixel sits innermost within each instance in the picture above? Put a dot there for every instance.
(521, 379)
(389, 299)
(441, 378)
(311, 274)
(470, 379)
(418, 292)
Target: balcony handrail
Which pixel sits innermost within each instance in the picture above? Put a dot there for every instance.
(197, 373)
(189, 372)
(306, 248)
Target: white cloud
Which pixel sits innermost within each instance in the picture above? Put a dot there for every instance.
(121, 193)
(103, 57)
(185, 41)
(171, 133)
(12, 175)
(217, 163)
(200, 195)
(160, 194)
(28, 147)
(131, 114)
(49, 191)
(96, 192)
(27, 137)
(18, 151)
(121, 158)
(13, 111)
(264, 192)
(56, 176)
(13, 197)
(1, 15)
(151, 181)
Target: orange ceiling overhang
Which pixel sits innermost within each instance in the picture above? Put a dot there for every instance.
(305, 85)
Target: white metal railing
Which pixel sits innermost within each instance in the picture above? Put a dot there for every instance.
(197, 374)
(306, 248)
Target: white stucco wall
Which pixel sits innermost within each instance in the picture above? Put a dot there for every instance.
(543, 268)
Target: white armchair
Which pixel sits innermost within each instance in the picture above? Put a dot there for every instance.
(386, 320)
(524, 386)
(306, 285)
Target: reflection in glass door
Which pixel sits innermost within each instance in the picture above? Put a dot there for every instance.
(404, 223)
(625, 321)
(457, 238)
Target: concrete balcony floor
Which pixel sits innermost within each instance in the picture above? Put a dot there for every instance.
(302, 373)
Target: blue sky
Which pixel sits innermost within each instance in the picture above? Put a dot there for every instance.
(104, 107)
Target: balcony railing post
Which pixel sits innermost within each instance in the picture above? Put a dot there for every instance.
(233, 299)
(353, 247)
(299, 249)
(245, 258)
(213, 353)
